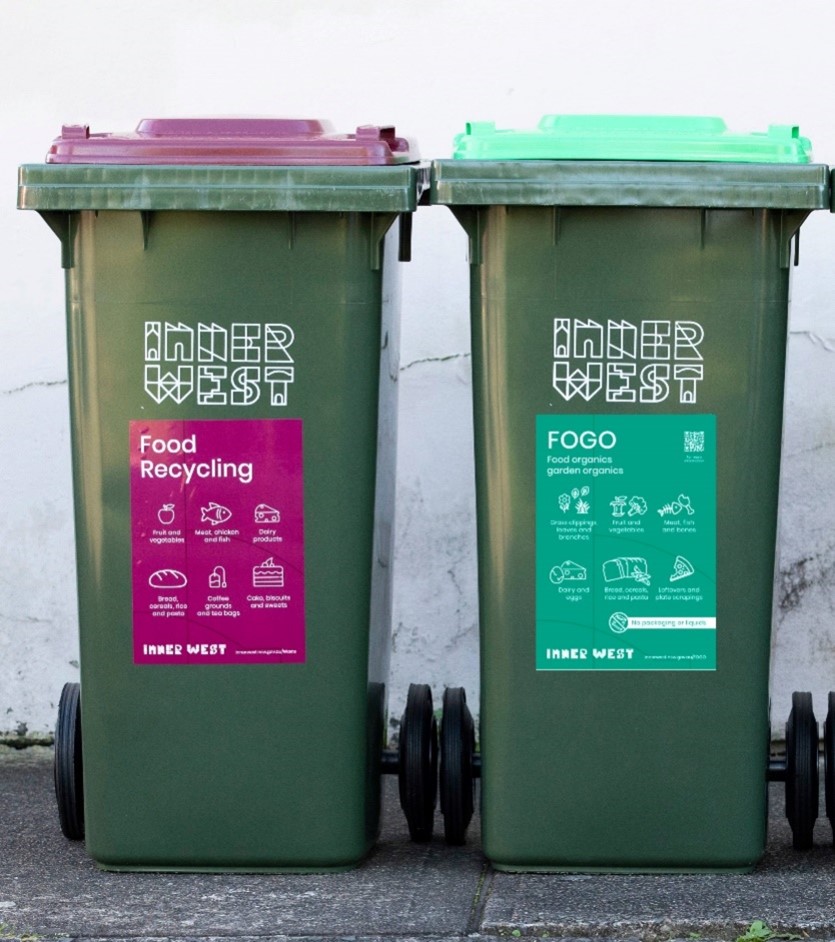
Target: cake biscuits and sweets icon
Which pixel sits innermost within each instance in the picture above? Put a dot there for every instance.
(268, 574)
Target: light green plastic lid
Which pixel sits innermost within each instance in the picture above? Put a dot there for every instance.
(632, 137)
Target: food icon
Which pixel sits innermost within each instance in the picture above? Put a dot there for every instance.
(214, 514)
(626, 567)
(568, 572)
(677, 506)
(637, 506)
(165, 514)
(266, 514)
(268, 575)
(168, 579)
(682, 568)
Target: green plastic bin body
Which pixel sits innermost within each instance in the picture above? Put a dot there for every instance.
(629, 324)
(249, 735)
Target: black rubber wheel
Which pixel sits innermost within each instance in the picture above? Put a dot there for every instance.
(802, 770)
(418, 763)
(829, 762)
(457, 779)
(69, 776)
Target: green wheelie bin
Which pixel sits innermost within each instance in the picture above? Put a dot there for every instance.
(629, 303)
(232, 332)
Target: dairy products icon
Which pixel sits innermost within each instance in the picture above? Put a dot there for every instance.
(266, 514)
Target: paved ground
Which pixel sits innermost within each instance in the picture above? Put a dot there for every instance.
(50, 889)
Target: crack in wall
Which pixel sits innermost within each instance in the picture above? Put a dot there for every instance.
(25, 619)
(41, 384)
(824, 343)
(446, 359)
(801, 576)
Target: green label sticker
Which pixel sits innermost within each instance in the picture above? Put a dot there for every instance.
(626, 542)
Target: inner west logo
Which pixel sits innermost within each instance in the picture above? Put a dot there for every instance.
(627, 362)
(217, 365)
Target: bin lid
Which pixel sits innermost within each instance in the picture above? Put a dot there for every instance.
(232, 141)
(588, 160)
(238, 164)
(632, 137)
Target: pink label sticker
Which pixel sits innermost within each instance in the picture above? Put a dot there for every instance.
(217, 519)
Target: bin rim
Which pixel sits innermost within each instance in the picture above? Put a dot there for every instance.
(75, 187)
(708, 185)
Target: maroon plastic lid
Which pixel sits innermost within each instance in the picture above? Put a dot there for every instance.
(232, 141)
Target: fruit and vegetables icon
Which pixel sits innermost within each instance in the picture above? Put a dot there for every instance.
(165, 514)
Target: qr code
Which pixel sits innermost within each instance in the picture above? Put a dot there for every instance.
(694, 441)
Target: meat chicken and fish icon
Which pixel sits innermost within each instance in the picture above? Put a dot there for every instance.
(215, 514)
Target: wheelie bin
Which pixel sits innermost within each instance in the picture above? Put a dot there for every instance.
(629, 302)
(232, 331)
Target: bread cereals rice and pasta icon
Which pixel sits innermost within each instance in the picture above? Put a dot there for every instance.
(634, 568)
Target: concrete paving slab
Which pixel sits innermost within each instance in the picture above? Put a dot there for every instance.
(404, 892)
(790, 891)
(50, 887)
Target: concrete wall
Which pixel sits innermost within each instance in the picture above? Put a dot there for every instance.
(428, 67)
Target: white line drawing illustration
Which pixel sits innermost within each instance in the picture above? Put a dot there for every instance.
(680, 505)
(568, 572)
(266, 514)
(637, 506)
(627, 567)
(214, 514)
(268, 575)
(682, 568)
(165, 515)
(217, 578)
(578, 495)
(618, 506)
(168, 579)
(618, 622)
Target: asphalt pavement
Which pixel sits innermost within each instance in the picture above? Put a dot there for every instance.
(51, 890)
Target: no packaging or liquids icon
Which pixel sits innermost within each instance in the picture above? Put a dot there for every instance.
(618, 622)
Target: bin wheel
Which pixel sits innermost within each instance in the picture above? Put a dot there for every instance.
(829, 762)
(802, 770)
(418, 763)
(69, 776)
(457, 778)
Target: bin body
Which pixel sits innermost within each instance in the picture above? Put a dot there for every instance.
(629, 330)
(225, 329)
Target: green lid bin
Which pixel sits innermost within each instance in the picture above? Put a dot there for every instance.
(629, 302)
(230, 300)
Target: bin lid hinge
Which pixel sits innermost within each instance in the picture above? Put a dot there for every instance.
(64, 225)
